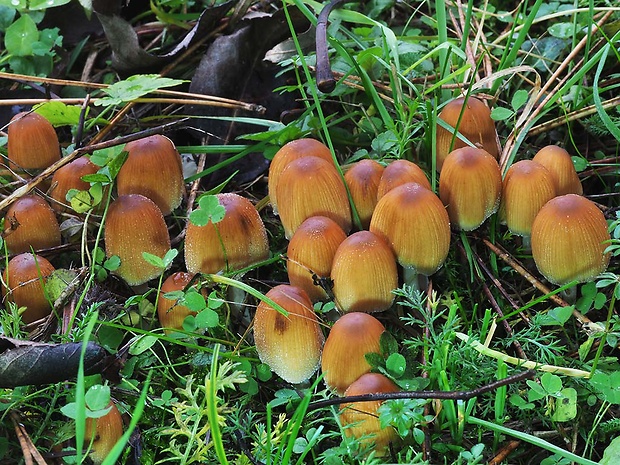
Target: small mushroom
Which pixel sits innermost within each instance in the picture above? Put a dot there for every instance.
(353, 336)
(364, 274)
(400, 172)
(25, 277)
(363, 178)
(153, 169)
(569, 238)
(30, 223)
(415, 223)
(291, 345)
(470, 187)
(293, 150)
(361, 419)
(311, 251)
(311, 186)
(134, 225)
(170, 313)
(70, 177)
(238, 241)
(472, 119)
(560, 165)
(104, 432)
(32, 143)
(527, 186)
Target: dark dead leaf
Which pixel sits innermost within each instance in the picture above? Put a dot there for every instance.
(234, 67)
(24, 363)
(128, 57)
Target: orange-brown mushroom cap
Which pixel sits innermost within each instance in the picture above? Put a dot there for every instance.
(291, 345)
(363, 179)
(569, 238)
(364, 274)
(238, 241)
(311, 251)
(311, 186)
(30, 222)
(353, 336)
(476, 125)
(153, 169)
(527, 186)
(25, 276)
(470, 187)
(134, 225)
(560, 165)
(32, 142)
(415, 223)
(290, 151)
(361, 419)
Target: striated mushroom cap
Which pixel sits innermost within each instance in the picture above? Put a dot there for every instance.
(361, 419)
(311, 250)
(293, 150)
(569, 238)
(363, 182)
(470, 187)
(527, 186)
(170, 313)
(353, 336)
(30, 222)
(415, 223)
(364, 274)
(562, 170)
(238, 241)
(25, 277)
(400, 172)
(291, 345)
(475, 124)
(312, 187)
(134, 225)
(32, 142)
(153, 169)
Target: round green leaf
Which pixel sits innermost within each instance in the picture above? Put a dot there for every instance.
(20, 36)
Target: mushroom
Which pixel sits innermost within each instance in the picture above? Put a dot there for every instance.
(170, 313)
(569, 238)
(311, 186)
(30, 223)
(527, 186)
(400, 172)
(69, 177)
(292, 151)
(25, 276)
(353, 336)
(134, 225)
(474, 122)
(32, 143)
(311, 253)
(238, 241)
(560, 165)
(415, 223)
(104, 432)
(153, 168)
(364, 274)
(361, 419)
(291, 345)
(470, 187)
(362, 178)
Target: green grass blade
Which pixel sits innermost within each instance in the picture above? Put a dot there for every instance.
(531, 439)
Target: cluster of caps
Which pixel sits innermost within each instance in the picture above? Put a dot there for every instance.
(405, 223)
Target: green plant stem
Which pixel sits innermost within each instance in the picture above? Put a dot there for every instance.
(573, 372)
(530, 439)
(212, 413)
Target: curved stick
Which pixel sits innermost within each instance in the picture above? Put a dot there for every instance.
(324, 77)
